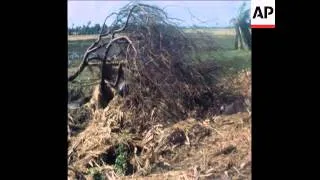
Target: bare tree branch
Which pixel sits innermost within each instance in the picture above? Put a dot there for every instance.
(119, 38)
(79, 70)
(125, 25)
(112, 63)
(94, 58)
(109, 30)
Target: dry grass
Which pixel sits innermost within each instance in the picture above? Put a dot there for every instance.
(213, 149)
(95, 139)
(216, 32)
(189, 174)
(224, 32)
(225, 152)
(82, 37)
(218, 147)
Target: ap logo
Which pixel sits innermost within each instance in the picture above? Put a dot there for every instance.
(263, 14)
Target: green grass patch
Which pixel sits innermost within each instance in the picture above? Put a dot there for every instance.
(230, 60)
(121, 164)
(94, 172)
(76, 49)
(225, 41)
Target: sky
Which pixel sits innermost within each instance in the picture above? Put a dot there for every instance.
(203, 13)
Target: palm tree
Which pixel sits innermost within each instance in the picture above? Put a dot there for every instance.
(242, 28)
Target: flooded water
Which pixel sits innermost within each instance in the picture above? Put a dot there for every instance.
(76, 49)
(74, 55)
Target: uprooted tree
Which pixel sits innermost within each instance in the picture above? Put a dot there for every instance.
(154, 57)
(136, 133)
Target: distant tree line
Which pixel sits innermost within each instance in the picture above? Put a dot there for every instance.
(84, 29)
(95, 29)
